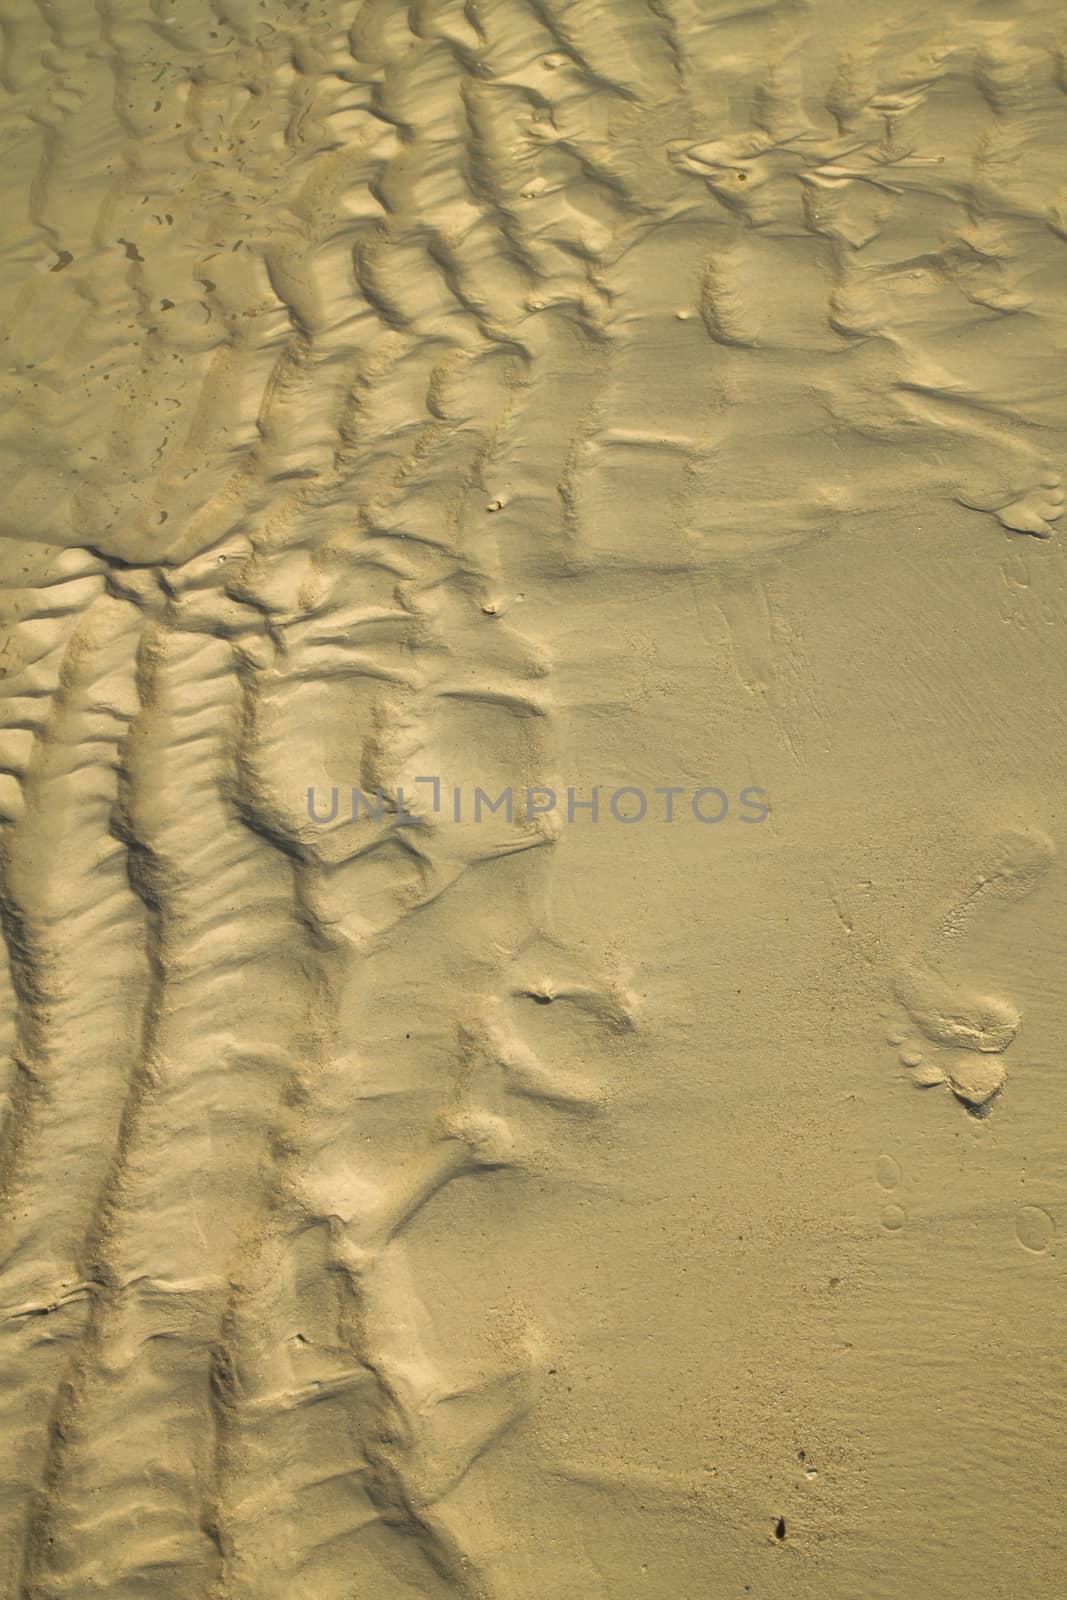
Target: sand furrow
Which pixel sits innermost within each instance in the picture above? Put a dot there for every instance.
(410, 411)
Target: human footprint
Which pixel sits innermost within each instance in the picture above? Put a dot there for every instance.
(968, 1029)
(1031, 512)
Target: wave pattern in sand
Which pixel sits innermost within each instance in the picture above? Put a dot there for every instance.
(341, 338)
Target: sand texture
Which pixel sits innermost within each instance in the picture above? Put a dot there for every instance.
(406, 1197)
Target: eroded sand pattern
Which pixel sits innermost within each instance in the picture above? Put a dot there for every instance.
(410, 1195)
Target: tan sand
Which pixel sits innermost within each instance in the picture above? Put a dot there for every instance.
(631, 395)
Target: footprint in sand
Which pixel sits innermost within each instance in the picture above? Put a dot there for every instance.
(1033, 512)
(954, 1034)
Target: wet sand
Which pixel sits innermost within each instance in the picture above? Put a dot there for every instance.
(644, 1180)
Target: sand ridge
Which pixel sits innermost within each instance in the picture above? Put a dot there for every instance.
(529, 392)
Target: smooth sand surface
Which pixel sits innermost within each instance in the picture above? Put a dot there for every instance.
(569, 394)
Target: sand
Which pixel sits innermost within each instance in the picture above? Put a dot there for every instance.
(415, 419)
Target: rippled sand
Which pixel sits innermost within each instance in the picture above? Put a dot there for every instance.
(409, 1196)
